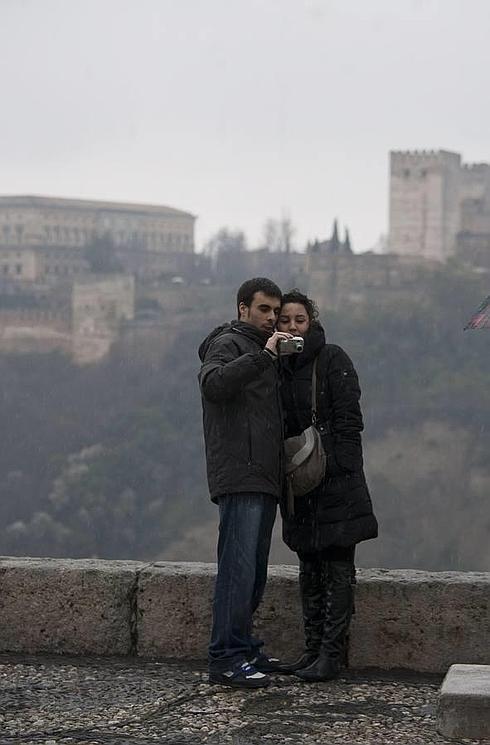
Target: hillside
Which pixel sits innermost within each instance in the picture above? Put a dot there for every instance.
(107, 460)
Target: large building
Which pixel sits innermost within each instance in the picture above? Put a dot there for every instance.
(438, 204)
(42, 236)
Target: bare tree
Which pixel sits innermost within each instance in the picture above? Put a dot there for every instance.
(226, 241)
(278, 235)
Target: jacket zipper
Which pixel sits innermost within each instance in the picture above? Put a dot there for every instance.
(249, 462)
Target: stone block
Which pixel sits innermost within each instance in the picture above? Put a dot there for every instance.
(279, 620)
(66, 606)
(174, 609)
(463, 709)
(423, 621)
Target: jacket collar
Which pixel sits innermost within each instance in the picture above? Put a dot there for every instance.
(314, 341)
(251, 332)
(238, 327)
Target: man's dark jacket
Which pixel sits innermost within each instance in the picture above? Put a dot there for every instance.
(339, 512)
(242, 415)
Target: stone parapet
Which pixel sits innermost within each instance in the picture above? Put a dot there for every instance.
(413, 620)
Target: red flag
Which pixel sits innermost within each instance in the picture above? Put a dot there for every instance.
(480, 319)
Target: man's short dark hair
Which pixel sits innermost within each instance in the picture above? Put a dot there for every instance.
(248, 289)
(296, 296)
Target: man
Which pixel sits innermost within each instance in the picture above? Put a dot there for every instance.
(243, 436)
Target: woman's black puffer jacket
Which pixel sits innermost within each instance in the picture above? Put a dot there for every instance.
(339, 511)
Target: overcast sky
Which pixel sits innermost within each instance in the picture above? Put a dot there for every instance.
(239, 110)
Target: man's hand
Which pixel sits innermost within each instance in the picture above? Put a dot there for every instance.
(271, 345)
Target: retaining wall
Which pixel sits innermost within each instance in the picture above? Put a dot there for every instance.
(414, 620)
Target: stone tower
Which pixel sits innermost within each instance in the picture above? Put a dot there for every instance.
(425, 203)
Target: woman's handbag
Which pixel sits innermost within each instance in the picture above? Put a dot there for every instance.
(305, 456)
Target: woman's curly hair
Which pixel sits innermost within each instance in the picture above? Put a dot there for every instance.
(296, 296)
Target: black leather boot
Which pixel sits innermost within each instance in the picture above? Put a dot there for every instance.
(312, 588)
(339, 590)
(323, 668)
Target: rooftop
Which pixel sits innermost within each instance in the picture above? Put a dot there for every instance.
(28, 200)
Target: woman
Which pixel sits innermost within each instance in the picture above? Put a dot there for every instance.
(325, 525)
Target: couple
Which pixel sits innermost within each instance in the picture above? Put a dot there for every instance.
(253, 398)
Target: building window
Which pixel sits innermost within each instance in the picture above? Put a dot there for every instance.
(5, 268)
(406, 172)
(18, 268)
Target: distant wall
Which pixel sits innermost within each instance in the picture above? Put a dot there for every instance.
(407, 619)
(28, 330)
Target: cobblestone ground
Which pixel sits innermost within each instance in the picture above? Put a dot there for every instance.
(91, 701)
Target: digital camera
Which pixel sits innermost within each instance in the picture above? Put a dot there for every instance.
(294, 345)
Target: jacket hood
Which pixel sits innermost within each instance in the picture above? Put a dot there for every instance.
(238, 327)
(204, 346)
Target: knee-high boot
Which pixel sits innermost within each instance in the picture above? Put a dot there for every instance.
(313, 602)
(339, 607)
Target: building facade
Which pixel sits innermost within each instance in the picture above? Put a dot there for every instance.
(43, 235)
(435, 198)
(32, 264)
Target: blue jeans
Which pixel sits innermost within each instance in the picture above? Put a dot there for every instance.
(245, 531)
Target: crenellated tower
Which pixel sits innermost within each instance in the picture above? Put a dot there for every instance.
(425, 198)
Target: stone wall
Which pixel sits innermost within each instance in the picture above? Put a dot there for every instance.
(99, 305)
(413, 620)
(336, 280)
(34, 331)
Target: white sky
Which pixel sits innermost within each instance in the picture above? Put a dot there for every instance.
(239, 110)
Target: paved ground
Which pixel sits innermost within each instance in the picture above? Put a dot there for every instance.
(56, 701)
